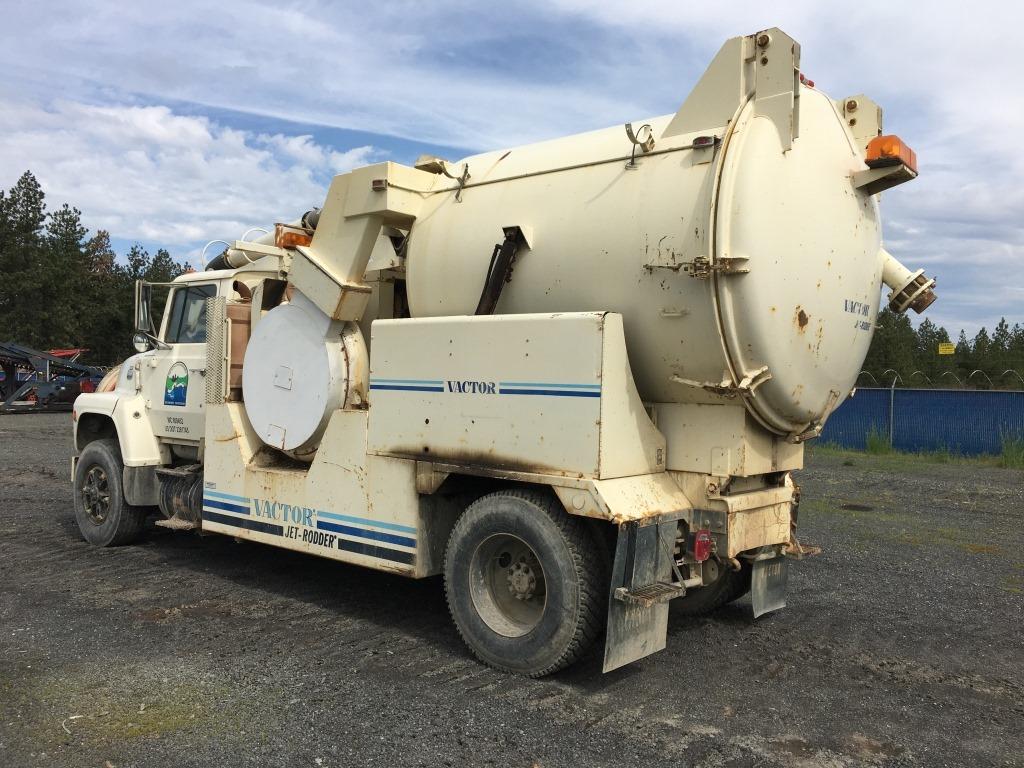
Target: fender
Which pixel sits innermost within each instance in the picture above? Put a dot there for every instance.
(122, 415)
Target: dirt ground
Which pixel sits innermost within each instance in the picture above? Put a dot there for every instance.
(902, 645)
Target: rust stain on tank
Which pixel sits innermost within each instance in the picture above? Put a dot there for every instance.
(802, 318)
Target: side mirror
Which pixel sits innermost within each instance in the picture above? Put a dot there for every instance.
(143, 311)
(141, 342)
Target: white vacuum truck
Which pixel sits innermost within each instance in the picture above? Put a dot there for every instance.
(572, 377)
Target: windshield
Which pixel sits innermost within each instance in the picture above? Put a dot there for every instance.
(186, 323)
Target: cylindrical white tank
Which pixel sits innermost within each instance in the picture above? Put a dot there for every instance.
(300, 366)
(792, 289)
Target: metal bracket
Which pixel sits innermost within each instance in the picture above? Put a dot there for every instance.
(702, 267)
(813, 430)
(875, 180)
(726, 388)
(643, 138)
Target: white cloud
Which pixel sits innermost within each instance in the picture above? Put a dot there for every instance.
(151, 174)
(486, 75)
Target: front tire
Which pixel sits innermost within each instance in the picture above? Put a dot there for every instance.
(525, 582)
(103, 516)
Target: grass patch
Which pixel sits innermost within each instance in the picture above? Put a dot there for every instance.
(878, 448)
(106, 707)
(877, 442)
(1012, 453)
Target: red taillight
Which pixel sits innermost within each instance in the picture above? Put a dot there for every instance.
(700, 544)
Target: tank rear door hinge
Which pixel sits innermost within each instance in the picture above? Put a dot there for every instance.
(702, 267)
(726, 387)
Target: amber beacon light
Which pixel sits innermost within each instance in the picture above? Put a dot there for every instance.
(890, 150)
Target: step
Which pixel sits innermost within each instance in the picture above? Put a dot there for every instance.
(652, 594)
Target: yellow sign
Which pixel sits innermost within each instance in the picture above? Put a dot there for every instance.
(946, 348)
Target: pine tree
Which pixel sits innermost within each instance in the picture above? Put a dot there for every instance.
(65, 300)
(22, 213)
(926, 354)
(99, 255)
(892, 348)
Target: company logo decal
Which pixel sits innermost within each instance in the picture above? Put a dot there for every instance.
(363, 536)
(176, 388)
(471, 387)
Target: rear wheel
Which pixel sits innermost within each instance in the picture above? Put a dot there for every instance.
(103, 516)
(526, 585)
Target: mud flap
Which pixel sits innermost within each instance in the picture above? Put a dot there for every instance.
(768, 585)
(641, 587)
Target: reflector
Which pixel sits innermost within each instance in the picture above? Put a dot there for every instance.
(700, 545)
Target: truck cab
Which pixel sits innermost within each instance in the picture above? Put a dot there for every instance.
(148, 414)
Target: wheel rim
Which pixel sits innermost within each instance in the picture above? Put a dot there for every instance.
(507, 585)
(96, 494)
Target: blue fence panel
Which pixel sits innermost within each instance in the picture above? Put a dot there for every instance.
(849, 426)
(970, 422)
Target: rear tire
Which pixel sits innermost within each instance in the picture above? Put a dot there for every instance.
(525, 582)
(103, 516)
(729, 586)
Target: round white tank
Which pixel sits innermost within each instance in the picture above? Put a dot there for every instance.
(801, 243)
(300, 367)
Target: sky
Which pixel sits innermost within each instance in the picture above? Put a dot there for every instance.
(175, 123)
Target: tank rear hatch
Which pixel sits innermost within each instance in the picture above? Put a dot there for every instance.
(796, 266)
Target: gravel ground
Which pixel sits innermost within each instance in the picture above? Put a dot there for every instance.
(901, 645)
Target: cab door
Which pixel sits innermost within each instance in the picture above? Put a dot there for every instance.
(174, 378)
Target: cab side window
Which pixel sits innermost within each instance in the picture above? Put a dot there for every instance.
(187, 321)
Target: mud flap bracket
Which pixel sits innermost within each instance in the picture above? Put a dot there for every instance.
(641, 587)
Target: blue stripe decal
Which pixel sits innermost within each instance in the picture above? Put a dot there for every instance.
(434, 382)
(364, 521)
(362, 533)
(242, 522)
(406, 388)
(382, 553)
(226, 506)
(545, 385)
(551, 392)
(227, 496)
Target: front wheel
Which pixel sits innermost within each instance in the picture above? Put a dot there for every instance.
(525, 582)
(103, 516)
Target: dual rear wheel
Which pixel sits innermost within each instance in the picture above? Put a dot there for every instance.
(526, 584)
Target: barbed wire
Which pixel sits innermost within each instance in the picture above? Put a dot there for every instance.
(891, 377)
